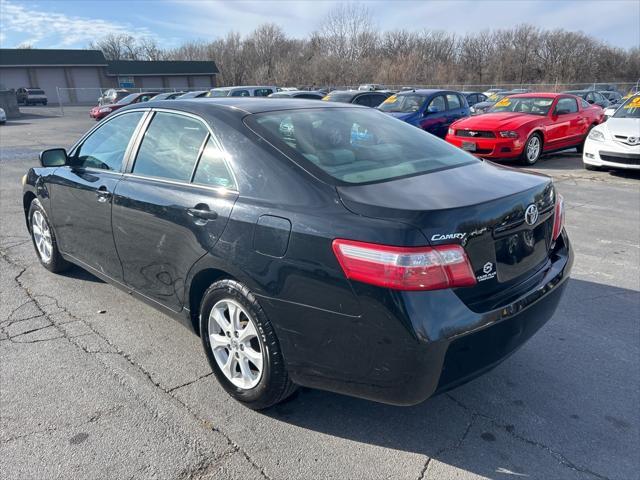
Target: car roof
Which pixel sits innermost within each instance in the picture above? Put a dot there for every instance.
(424, 91)
(242, 105)
(241, 87)
(535, 94)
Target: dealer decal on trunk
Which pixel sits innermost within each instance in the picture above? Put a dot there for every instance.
(489, 272)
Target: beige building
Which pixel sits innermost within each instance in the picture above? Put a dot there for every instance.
(79, 75)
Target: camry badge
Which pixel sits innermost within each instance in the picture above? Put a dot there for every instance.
(531, 214)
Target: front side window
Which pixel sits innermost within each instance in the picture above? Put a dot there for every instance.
(212, 169)
(355, 145)
(454, 101)
(170, 147)
(105, 147)
(240, 93)
(437, 104)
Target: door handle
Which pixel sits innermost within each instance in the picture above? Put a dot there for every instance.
(202, 212)
(103, 194)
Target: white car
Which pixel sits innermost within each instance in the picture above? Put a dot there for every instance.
(616, 142)
(3, 116)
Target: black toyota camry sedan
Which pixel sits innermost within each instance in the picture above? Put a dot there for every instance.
(330, 246)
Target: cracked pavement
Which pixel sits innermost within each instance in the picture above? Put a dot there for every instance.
(95, 384)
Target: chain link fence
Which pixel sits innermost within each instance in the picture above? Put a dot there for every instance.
(90, 96)
(622, 87)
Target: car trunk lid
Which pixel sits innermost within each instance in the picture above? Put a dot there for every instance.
(480, 206)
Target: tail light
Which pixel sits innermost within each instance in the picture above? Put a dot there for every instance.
(405, 268)
(558, 218)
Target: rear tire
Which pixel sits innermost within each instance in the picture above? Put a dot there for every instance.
(242, 347)
(532, 150)
(44, 239)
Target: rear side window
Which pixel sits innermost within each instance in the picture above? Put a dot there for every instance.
(453, 101)
(212, 169)
(363, 100)
(240, 93)
(106, 146)
(355, 145)
(569, 105)
(262, 92)
(170, 147)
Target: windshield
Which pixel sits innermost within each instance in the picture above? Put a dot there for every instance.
(128, 99)
(629, 109)
(402, 103)
(218, 93)
(532, 105)
(356, 145)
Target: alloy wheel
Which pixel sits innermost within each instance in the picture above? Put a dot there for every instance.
(42, 236)
(533, 149)
(235, 344)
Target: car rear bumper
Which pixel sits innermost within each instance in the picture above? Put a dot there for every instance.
(611, 154)
(428, 342)
(494, 148)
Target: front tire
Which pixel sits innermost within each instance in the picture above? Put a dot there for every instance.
(44, 239)
(592, 168)
(242, 347)
(532, 150)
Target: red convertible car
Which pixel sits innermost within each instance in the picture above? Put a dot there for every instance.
(525, 126)
(100, 111)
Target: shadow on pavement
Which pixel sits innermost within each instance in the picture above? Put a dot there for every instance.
(538, 399)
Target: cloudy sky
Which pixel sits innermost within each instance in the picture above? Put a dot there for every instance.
(73, 24)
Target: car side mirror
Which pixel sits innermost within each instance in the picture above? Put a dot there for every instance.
(54, 157)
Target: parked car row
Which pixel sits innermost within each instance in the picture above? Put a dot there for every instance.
(616, 142)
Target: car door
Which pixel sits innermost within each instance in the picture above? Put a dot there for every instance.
(172, 205)
(435, 116)
(81, 193)
(456, 108)
(565, 123)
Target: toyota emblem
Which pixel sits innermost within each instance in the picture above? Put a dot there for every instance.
(531, 214)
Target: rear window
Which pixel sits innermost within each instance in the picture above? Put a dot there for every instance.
(356, 146)
(35, 92)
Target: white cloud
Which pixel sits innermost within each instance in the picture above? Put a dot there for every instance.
(41, 28)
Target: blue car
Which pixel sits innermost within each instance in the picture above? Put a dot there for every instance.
(430, 110)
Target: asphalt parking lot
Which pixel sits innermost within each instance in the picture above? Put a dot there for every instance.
(95, 384)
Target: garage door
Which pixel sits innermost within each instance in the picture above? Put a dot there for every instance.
(87, 83)
(149, 82)
(178, 82)
(49, 79)
(14, 78)
(201, 81)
